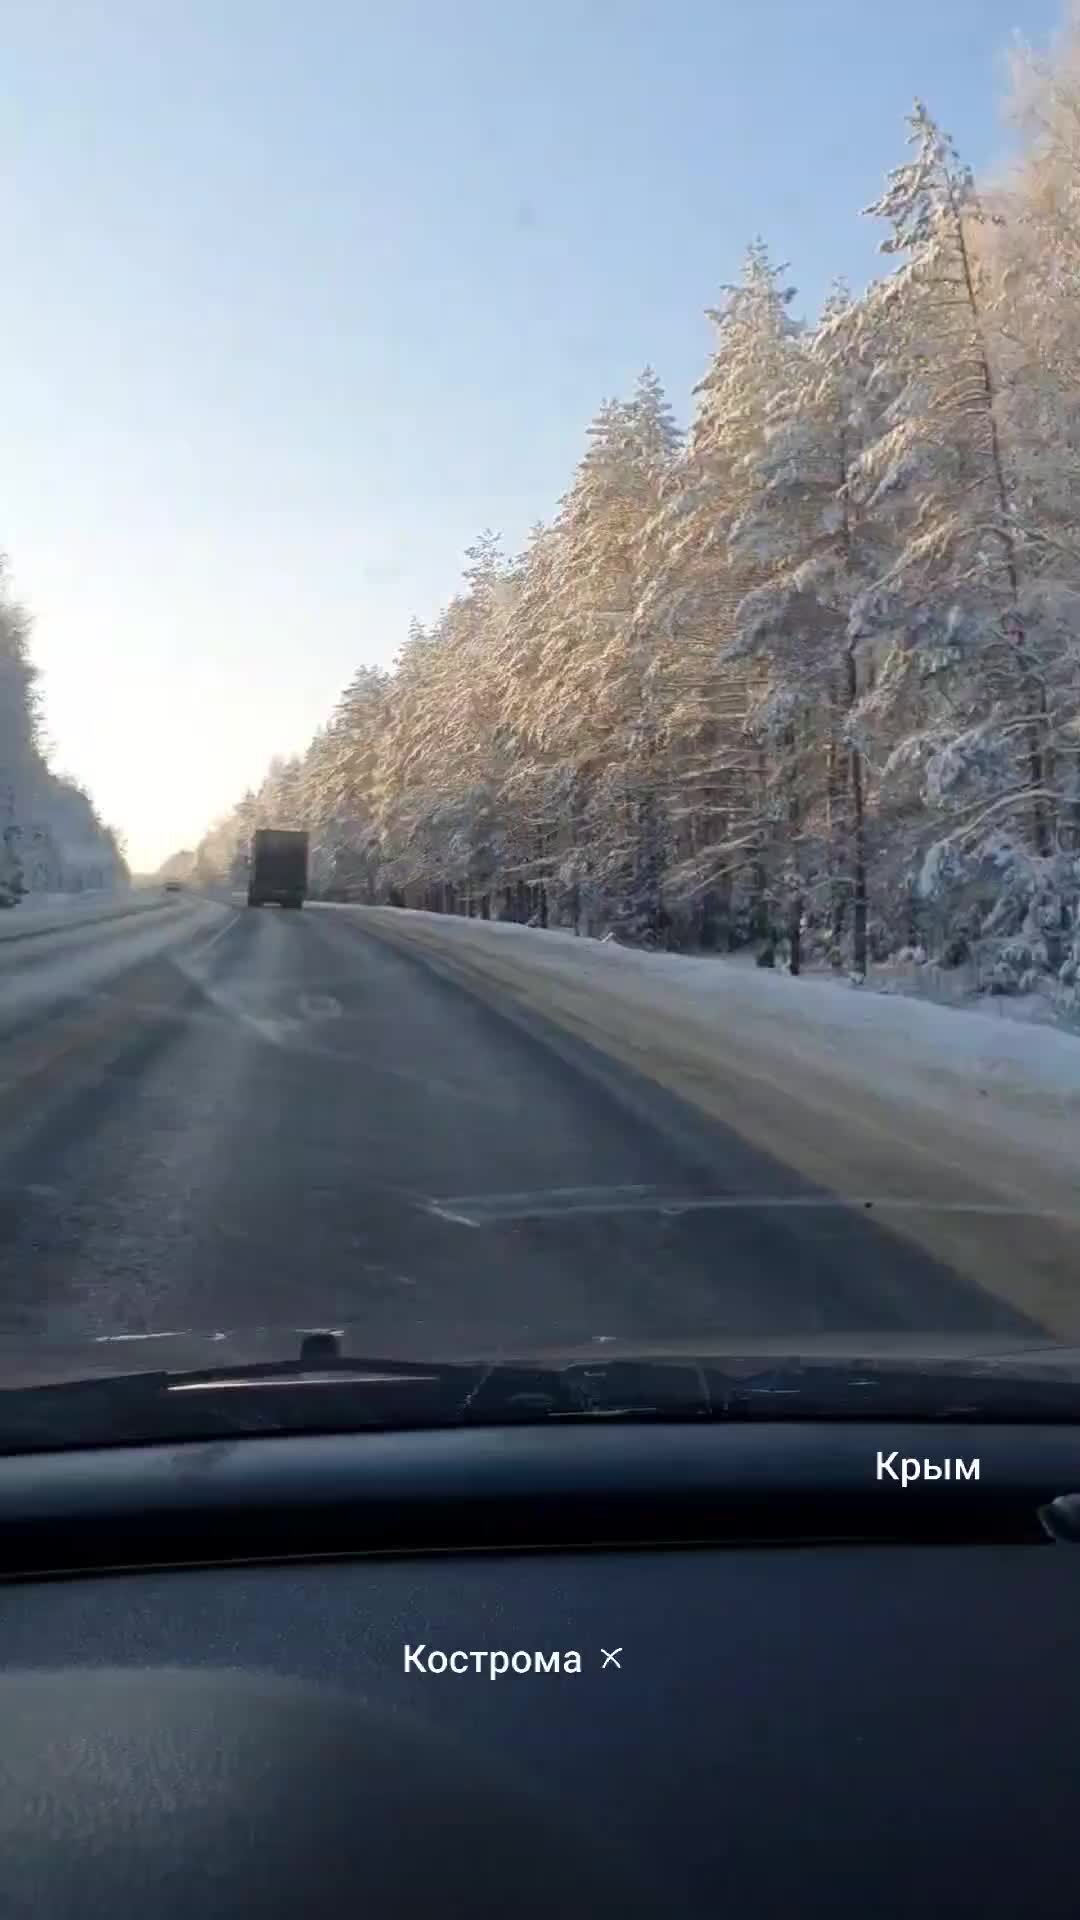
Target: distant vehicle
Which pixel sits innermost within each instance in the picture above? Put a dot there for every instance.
(174, 886)
(279, 867)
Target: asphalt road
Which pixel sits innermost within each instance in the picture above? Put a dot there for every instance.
(213, 1117)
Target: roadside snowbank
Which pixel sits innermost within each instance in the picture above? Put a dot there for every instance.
(956, 1130)
(910, 1049)
(60, 911)
(82, 955)
(953, 987)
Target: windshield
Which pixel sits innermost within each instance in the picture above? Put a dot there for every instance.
(539, 710)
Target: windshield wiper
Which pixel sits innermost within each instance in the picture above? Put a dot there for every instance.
(322, 1389)
(319, 1360)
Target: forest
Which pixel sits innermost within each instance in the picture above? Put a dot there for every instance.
(802, 677)
(51, 837)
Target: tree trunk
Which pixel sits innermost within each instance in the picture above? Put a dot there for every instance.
(795, 908)
(859, 917)
(795, 896)
(1032, 688)
(760, 926)
(708, 918)
(858, 833)
(912, 929)
(580, 797)
(836, 784)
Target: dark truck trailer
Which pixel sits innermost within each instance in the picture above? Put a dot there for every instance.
(279, 867)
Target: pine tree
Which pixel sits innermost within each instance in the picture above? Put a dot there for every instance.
(816, 552)
(697, 583)
(588, 714)
(815, 666)
(956, 588)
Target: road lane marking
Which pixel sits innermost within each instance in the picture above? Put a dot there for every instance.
(444, 1211)
(320, 1006)
(478, 1210)
(196, 958)
(215, 937)
(113, 1339)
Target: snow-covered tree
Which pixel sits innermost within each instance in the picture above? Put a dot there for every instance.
(810, 674)
(697, 580)
(51, 838)
(955, 593)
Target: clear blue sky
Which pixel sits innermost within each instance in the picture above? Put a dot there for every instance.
(297, 298)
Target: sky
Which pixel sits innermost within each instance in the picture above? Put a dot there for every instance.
(298, 299)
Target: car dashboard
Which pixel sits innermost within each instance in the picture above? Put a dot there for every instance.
(588, 1668)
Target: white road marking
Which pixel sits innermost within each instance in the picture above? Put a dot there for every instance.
(114, 1339)
(195, 959)
(445, 1212)
(477, 1210)
(215, 937)
(320, 1006)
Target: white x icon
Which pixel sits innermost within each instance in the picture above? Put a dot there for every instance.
(609, 1658)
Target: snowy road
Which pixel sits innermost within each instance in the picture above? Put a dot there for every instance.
(213, 1117)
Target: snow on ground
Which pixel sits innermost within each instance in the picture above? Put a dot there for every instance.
(959, 1133)
(42, 912)
(863, 1092)
(77, 956)
(953, 987)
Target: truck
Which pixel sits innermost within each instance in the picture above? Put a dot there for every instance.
(279, 867)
